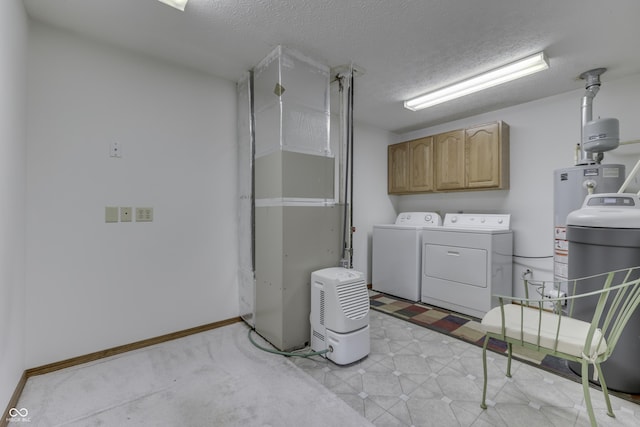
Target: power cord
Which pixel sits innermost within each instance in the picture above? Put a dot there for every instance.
(285, 353)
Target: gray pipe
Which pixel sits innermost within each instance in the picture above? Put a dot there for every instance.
(592, 87)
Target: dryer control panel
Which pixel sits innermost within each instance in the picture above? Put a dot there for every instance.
(478, 221)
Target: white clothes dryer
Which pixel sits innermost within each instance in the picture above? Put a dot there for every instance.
(466, 261)
(397, 254)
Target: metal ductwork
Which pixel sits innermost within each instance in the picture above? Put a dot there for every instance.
(598, 135)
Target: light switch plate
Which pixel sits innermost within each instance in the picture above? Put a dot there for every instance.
(111, 214)
(125, 214)
(144, 214)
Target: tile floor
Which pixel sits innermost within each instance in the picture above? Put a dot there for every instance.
(211, 379)
(418, 377)
(412, 377)
(470, 330)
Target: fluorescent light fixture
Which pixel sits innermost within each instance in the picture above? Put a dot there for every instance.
(515, 70)
(178, 4)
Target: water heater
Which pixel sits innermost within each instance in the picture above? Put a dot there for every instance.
(570, 187)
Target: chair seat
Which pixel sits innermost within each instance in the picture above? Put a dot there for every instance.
(571, 337)
(545, 332)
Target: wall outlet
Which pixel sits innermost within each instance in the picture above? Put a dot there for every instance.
(115, 149)
(125, 215)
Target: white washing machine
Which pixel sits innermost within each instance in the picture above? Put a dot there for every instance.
(466, 261)
(396, 253)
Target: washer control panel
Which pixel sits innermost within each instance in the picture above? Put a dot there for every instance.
(419, 218)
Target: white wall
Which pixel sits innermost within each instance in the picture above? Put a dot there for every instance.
(13, 64)
(92, 285)
(543, 137)
(371, 203)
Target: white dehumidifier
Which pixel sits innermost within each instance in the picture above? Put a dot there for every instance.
(340, 314)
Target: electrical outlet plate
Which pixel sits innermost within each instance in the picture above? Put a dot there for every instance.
(144, 214)
(115, 149)
(125, 214)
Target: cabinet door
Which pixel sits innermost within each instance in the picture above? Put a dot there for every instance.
(398, 168)
(450, 160)
(483, 148)
(421, 164)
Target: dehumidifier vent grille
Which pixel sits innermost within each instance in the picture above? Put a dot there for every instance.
(354, 299)
(318, 335)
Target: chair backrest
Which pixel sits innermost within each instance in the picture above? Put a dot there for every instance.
(617, 301)
(606, 300)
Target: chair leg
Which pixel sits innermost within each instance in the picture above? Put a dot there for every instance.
(483, 404)
(605, 390)
(509, 360)
(587, 395)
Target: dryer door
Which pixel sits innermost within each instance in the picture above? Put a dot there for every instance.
(462, 265)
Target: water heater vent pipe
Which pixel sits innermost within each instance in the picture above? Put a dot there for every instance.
(592, 86)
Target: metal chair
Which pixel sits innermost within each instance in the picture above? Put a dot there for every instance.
(533, 324)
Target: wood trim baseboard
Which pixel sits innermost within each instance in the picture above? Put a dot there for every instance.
(14, 399)
(55, 366)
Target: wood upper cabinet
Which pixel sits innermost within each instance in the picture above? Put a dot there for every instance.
(450, 160)
(398, 168)
(410, 167)
(487, 156)
(476, 158)
(421, 164)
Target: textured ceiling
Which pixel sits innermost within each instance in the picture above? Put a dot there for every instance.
(407, 47)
